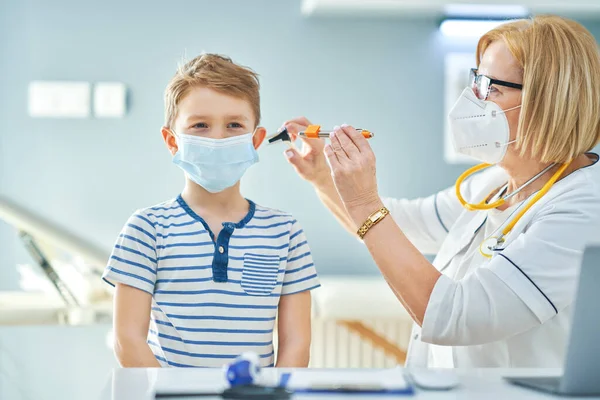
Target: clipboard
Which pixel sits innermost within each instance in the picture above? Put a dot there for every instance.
(348, 382)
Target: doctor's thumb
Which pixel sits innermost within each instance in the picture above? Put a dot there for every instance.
(294, 158)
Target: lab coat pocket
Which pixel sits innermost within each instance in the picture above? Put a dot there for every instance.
(259, 275)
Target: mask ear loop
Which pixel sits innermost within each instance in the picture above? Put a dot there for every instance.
(496, 112)
(498, 144)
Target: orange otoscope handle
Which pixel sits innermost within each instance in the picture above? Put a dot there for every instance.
(314, 132)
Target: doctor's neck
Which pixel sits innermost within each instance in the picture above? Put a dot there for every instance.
(521, 170)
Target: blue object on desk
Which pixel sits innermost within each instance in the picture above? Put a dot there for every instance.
(284, 379)
(244, 370)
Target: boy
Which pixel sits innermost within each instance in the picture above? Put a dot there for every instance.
(201, 278)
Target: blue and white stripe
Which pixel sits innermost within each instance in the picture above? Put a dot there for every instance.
(196, 322)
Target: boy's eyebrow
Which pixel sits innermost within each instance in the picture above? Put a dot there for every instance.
(196, 117)
(238, 117)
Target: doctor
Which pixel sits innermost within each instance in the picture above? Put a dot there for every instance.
(509, 239)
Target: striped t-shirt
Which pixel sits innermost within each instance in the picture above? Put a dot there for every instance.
(213, 298)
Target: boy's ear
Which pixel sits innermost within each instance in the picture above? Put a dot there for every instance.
(259, 136)
(169, 139)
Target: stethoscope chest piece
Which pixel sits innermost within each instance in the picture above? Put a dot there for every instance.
(489, 246)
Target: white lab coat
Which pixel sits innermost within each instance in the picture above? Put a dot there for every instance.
(514, 309)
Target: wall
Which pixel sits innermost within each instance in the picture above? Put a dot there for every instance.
(89, 175)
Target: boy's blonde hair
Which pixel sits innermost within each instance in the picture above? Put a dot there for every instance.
(215, 72)
(560, 114)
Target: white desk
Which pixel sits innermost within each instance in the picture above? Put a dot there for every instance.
(133, 384)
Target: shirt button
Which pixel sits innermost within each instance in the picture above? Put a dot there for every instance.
(221, 249)
(416, 336)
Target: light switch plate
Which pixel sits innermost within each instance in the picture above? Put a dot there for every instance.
(56, 99)
(110, 100)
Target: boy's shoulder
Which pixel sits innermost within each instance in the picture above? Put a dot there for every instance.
(261, 212)
(173, 208)
(170, 207)
(274, 215)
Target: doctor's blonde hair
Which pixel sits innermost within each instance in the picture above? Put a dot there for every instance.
(560, 61)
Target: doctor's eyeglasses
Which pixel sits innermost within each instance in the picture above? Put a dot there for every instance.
(482, 84)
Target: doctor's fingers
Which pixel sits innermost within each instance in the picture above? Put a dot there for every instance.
(340, 152)
(312, 146)
(296, 125)
(367, 156)
(357, 138)
(332, 159)
(346, 144)
(298, 161)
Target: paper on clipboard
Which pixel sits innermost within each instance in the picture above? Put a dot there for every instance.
(389, 380)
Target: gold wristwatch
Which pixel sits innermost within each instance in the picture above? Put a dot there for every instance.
(373, 220)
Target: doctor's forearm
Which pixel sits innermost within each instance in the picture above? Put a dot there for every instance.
(407, 271)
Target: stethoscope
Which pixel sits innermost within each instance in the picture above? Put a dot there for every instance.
(493, 244)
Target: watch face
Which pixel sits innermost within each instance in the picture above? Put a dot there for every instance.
(376, 216)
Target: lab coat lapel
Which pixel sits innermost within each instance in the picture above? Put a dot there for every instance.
(455, 244)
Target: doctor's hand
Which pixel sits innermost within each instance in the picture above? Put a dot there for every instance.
(309, 162)
(352, 164)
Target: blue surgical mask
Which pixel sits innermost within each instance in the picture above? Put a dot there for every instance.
(215, 164)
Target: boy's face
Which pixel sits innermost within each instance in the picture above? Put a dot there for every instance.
(206, 113)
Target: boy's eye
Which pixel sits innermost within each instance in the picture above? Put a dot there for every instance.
(200, 125)
(234, 125)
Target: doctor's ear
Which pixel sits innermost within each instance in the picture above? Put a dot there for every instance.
(169, 139)
(259, 136)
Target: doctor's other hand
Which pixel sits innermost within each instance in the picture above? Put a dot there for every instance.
(310, 162)
(353, 169)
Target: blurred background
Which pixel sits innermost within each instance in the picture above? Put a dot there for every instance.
(81, 107)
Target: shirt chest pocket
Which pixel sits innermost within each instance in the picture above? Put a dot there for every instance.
(259, 275)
